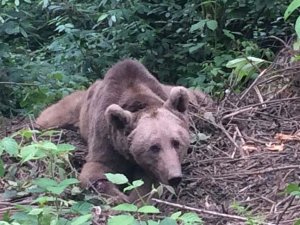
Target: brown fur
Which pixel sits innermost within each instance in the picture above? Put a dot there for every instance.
(133, 125)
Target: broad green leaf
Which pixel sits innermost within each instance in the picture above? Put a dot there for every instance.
(28, 153)
(129, 188)
(36, 211)
(297, 26)
(297, 222)
(236, 62)
(293, 189)
(81, 219)
(121, 219)
(126, 207)
(196, 47)
(63, 148)
(44, 199)
(4, 223)
(69, 181)
(212, 24)
(102, 17)
(10, 146)
(295, 4)
(82, 207)
(198, 26)
(137, 183)
(148, 209)
(117, 178)
(152, 222)
(56, 189)
(2, 170)
(48, 145)
(45, 182)
(168, 221)
(190, 218)
(176, 215)
(229, 34)
(1, 148)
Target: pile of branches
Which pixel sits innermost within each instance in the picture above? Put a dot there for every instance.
(246, 152)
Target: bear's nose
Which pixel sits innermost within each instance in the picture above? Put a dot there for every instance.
(174, 181)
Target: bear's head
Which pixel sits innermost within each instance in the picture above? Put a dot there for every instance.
(158, 138)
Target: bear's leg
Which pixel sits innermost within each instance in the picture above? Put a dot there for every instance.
(92, 176)
(64, 113)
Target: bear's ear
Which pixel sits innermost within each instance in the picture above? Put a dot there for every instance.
(178, 99)
(118, 117)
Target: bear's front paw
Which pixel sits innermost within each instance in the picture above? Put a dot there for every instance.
(104, 187)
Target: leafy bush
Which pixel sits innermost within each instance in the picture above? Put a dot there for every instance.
(58, 46)
(56, 196)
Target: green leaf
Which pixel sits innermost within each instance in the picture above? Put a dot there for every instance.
(176, 215)
(81, 219)
(168, 221)
(190, 218)
(44, 182)
(229, 34)
(198, 26)
(297, 26)
(48, 146)
(10, 146)
(1, 148)
(147, 209)
(2, 170)
(195, 47)
(137, 183)
(125, 207)
(28, 153)
(63, 148)
(152, 222)
(36, 211)
(69, 181)
(117, 178)
(82, 207)
(102, 17)
(291, 8)
(212, 24)
(56, 189)
(121, 219)
(293, 189)
(297, 222)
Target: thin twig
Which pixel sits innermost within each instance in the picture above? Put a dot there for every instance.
(200, 210)
(285, 209)
(204, 211)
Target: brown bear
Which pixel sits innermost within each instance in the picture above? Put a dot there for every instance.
(133, 125)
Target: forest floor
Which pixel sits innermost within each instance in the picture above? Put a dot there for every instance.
(245, 152)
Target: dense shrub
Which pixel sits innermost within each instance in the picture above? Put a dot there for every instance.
(58, 46)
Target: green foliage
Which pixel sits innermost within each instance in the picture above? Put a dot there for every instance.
(294, 190)
(53, 189)
(132, 214)
(50, 207)
(251, 220)
(51, 48)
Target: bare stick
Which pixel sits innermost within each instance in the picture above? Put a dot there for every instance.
(253, 84)
(200, 210)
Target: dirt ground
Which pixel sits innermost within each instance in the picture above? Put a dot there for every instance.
(246, 151)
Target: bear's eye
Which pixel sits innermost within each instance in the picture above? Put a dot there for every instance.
(175, 143)
(154, 148)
